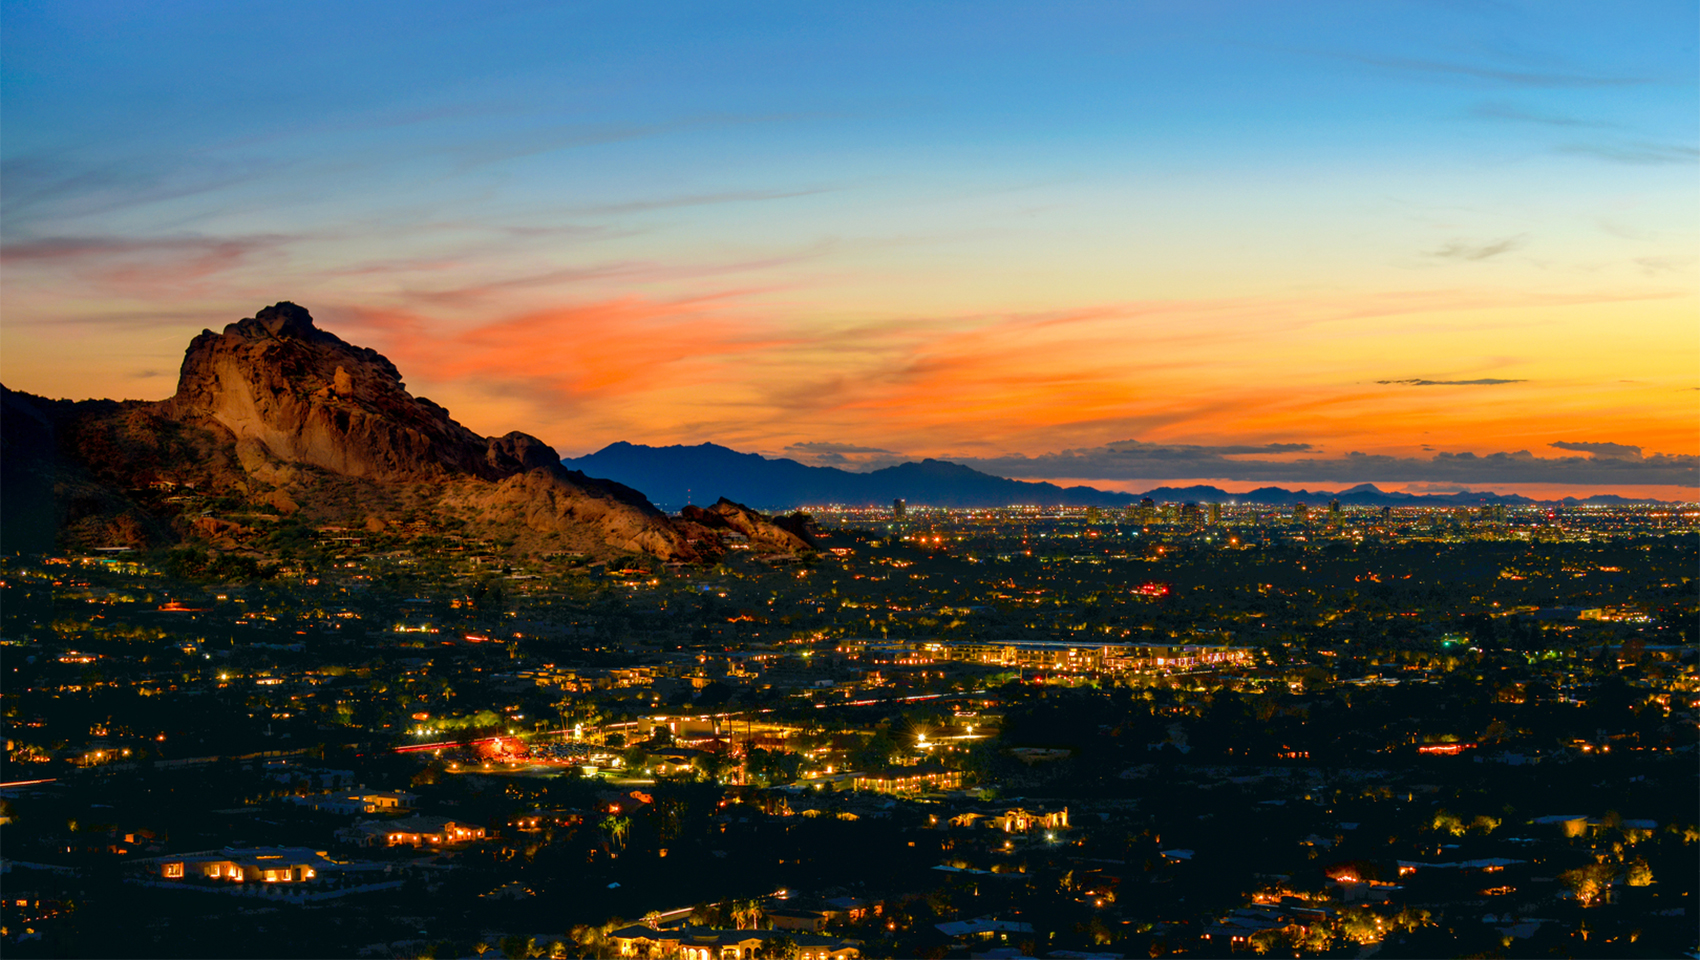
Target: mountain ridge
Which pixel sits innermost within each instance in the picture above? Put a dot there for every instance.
(671, 474)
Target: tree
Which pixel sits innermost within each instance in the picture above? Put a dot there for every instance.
(1588, 883)
(708, 915)
(518, 948)
(616, 828)
(746, 914)
(1639, 873)
(710, 765)
(773, 767)
(876, 753)
(1316, 939)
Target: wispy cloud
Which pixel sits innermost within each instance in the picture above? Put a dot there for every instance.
(150, 267)
(822, 446)
(62, 185)
(1612, 451)
(1515, 114)
(1462, 250)
(1483, 382)
(90, 248)
(1653, 266)
(1641, 154)
(1495, 76)
(700, 200)
(845, 456)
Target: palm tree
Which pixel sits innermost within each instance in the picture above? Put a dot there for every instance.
(746, 914)
(616, 828)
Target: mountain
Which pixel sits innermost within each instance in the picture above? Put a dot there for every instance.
(676, 474)
(277, 423)
(794, 534)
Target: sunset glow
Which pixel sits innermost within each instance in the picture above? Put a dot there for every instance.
(976, 233)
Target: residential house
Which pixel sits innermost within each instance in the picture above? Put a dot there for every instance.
(909, 780)
(414, 831)
(1016, 820)
(808, 921)
(706, 943)
(249, 865)
(360, 801)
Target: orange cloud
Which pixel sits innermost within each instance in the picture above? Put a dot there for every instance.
(739, 367)
(575, 352)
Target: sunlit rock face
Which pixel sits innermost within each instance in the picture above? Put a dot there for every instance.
(293, 419)
(311, 398)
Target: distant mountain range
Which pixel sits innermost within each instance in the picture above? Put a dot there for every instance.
(675, 475)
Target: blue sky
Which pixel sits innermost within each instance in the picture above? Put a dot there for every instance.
(850, 224)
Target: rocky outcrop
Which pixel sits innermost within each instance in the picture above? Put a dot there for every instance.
(289, 418)
(310, 398)
(792, 534)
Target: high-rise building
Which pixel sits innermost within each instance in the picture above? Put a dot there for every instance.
(1301, 512)
(1190, 515)
(1215, 514)
(899, 508)
(1333, 506)
(1147, 510)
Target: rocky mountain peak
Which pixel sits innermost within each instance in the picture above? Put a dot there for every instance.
(310, 397)
(285, 319)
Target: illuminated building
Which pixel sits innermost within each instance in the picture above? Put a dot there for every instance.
(1063, 657)
(1016, 820)
(908, 780)
(703, 943)
(359, 801)
(414, 831)
(249, 865)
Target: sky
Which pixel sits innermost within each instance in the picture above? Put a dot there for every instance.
(1434, 246)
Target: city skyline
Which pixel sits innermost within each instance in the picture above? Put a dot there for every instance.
(1113, 245)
